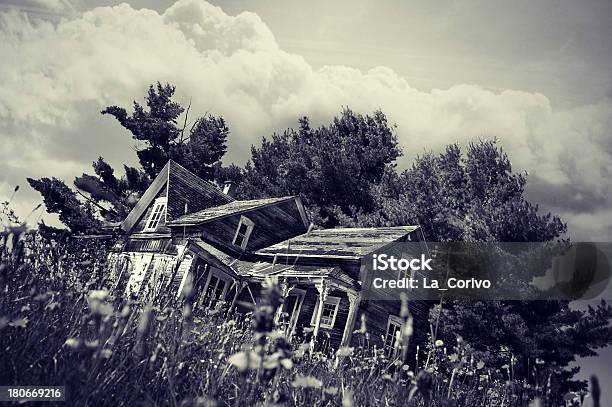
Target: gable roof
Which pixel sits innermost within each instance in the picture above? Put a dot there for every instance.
(229, 209)
(339, 243)
(182, 187)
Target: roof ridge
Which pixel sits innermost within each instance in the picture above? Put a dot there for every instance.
(214, 186)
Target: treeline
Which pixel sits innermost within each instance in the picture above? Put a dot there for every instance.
(345, 170)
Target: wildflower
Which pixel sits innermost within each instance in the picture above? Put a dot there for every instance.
(362, 328)
(144, 324)
(73, 343)
(439, 343)
(19, 323)
(96, 300)
(404, 310)
(539, 361)
(347, 398)
(125, 312)
(99, 295)
(307, 382)
(302, 349)
(271, 362)
(344, 351)
(92, 344)
(287, 363)
(424, 382)
(245, 360)
(536, 403)
(408, 330)
(480, 365)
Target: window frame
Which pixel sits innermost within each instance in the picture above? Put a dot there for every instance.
(220, 277)
(247, 234)
(396, 321)
(300, 294)
(330, 299)
(159, 203)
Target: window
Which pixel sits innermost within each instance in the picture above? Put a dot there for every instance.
(291, 309)
(156, 214)
(214, 291)
(245, 227)
(394, 326)
(328, 315)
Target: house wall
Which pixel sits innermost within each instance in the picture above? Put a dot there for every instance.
(376, 313)
(188, 188)
(200, 274)
(245, 297)
(138, 271)
(142, 221)
(328, 337)
(273, 224)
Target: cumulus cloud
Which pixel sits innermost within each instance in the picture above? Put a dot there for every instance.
(56, 77)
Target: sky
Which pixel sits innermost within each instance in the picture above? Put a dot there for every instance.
(534, 75)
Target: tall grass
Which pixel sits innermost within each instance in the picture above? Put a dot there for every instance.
(62, 324)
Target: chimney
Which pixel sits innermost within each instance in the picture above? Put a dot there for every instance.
(229, 188)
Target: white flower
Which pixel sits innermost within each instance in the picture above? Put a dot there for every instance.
(72, 343)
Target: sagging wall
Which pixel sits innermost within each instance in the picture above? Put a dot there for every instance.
(145, 274)
(138, 273)
(328, 338)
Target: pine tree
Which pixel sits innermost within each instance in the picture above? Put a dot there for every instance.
(104, 196)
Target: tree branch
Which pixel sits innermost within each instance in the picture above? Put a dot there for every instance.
(185, 123)
(96, 204)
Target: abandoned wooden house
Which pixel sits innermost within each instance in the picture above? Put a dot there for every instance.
(187, 232)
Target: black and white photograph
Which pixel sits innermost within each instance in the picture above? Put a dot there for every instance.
(209, 203)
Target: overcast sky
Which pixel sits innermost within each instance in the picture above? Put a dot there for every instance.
(536, 75)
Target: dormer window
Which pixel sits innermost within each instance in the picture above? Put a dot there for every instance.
(158, 210)
(243, 232)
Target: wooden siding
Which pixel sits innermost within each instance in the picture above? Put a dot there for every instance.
(183, 187)
(145, 201)
(221, 211)
(273, 224)
(342, 242)
(328, 337)
(376, 315)
(146, 214)
(187, 188)
(156, 245)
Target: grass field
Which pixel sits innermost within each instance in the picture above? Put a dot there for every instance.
(61, 324)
